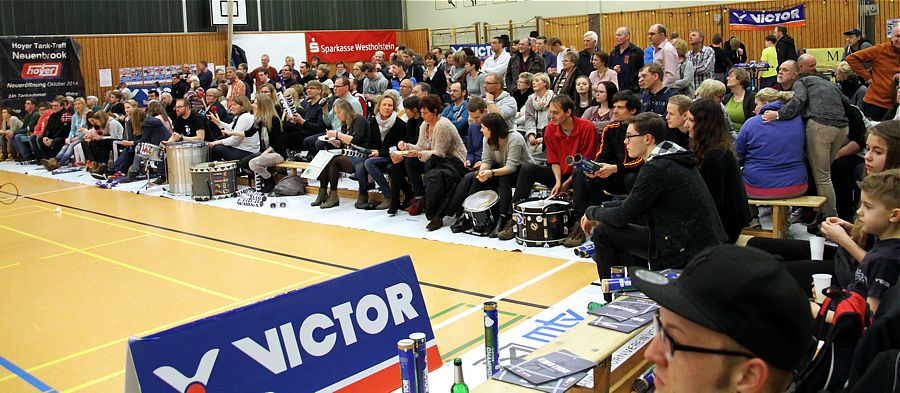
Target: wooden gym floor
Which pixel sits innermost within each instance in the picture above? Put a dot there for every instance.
(76, 284)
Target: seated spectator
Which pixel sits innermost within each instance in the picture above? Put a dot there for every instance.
(474, 77)
(894, 113)
(498, 170)
(457, 110)
(157, 110)
(582, 97)
(457, 69)
(241, 136)
(676, 119)
(422, 90)
(523, 89)
(739, 102)
(715, 91)
(601, 113)
(654, 96)
(848, 167)
(400, 180)
(76, 133)
(717, 330)
(474, 137)
(106, 130)
(273, 152)
(772, 152)
(601, 72)
(498, 100)
(716, 159)
(9, 130)
(322, 75)
(536, 113)
(354, 130)
(37, 137)
(672, 196)
(146, 129)
(436, 158)
(194, 95)
(308, 121)
(391, 130)
(398, 73)
(851, 86)
(684, 83)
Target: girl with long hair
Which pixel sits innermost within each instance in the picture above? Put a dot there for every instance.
(355, 129)
(268, 122)
(601, 113)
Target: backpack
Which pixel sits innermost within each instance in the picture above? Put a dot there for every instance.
(829, 369)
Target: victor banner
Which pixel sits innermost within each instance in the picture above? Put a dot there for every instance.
(767, 20)
(350, 46)
(39, 68)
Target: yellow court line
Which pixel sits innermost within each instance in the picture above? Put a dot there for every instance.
(21, 214)
(9, 209)
(123, 264)
(201, 245)
(97, 246)
(4, 267)
(94, 382)
(169, 325)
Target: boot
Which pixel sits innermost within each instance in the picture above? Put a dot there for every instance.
(268, 185)
(508, 232)
(362, 201)
(416, 206)
(501, 224)
(461, 224)
(385, 204)
(434, 224)
(323, 194)
(50, 165)
(332, 201)
(576, 236)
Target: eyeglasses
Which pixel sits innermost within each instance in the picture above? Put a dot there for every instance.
(651, 33)
(629, 136)
(491, 83)
(672, 345)
(336, 86)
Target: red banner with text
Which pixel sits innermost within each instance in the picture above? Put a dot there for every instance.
(347, 46)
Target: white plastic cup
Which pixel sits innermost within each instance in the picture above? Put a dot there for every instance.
(816, 248)
(820, 282)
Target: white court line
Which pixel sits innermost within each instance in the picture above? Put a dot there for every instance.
(506, 294)
(50, 192)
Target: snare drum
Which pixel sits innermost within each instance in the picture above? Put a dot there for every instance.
(150, 151)
(542, 222)
(180, 157)
(214, 180)
(479, 211)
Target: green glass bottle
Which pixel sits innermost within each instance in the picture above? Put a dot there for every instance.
(459, 385)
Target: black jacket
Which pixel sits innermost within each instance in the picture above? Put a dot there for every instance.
(722, 175)
(749, 102)
(612, 149)
(55, 127)
(584, 62)
(535, 66)
(785, 49)
(438, 83)
(734, 57)
(681, 215)
(393, 136)
(153, 131)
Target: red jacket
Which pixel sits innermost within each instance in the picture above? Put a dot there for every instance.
(42, 122)
(885, 62)
(583, 140)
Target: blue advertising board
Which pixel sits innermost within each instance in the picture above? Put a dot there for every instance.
(481, 50)
(339, 334)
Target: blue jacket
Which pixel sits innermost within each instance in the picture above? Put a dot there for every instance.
(474, 143)
(772, 152)
(458, 115)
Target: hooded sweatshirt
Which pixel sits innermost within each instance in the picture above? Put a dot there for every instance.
(681, 215)
(153, 131)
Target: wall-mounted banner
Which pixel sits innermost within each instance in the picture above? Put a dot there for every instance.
(348, 46)
(481, 50)
(767, 20)
(40, 68)
(337, 335)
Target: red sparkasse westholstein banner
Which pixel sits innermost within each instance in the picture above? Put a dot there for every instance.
(347, 46)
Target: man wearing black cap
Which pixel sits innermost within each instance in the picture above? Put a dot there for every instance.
(854, 42)
(734, 321)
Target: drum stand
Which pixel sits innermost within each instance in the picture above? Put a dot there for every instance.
(150, 162)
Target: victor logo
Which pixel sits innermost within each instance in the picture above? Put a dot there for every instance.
(194, 384)
(41, 70)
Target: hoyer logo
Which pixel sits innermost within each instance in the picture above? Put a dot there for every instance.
(41, 70)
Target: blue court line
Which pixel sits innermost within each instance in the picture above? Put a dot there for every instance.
(43, 387)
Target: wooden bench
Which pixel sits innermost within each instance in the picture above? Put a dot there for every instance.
(780, 214)
(292, 166)
(593, 343)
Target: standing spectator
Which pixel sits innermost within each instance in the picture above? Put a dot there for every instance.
(702, 57)
(855, 42)
(736, 51)
(556, 49)
(292, 64)
(374, 83)
(626, 60)
(821, 103)
(685, 82)
(305, 74)
(769, 55)
(601, 72)
(180, 85)
(498, 61)
(739, 101)
(664, 54)
(413, 68)
(851, 86)
(541, 50)
(585, 65)
(885, 61)
(564, 84)
(723, 61)
(204, 74)
(236, 87)
(524, 60)
(248, 78)
(399, 74)
(785, 45)
(271, 72)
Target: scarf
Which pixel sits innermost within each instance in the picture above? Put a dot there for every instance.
(541, 104)
(385, 125)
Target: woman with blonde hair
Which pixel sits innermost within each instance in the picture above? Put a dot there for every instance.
(9, 128)
(391, 130)
(355, 133)
(157, 110)
(684, 84)
(271, 141)
(715, 91)
(850, 84)
(242, 135)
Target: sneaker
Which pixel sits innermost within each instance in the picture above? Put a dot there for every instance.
(435, 224)
(160, 181)
(575, 238)
(508, 232)
(416, 206)
(803, 215)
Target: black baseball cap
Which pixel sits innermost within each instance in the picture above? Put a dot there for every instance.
(744, 293)
(855, 32)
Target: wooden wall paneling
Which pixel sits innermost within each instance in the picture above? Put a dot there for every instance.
(569, 29)
(417, 40)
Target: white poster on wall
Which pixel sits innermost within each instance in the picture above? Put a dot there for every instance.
(105, 77)
(276, 45)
